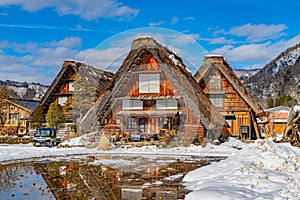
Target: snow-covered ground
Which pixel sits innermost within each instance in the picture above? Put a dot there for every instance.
(28, 151)
(262, 170)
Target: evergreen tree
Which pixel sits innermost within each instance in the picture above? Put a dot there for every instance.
(55, 117)
(4, 94)
(283, 100)
(37, 119)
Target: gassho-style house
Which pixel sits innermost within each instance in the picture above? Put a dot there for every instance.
(153, 92)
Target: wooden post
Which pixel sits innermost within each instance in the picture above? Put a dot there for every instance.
(257, 131)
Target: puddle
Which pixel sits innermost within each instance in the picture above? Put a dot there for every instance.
(98, 177)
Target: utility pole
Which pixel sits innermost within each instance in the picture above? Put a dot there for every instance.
(274, 92)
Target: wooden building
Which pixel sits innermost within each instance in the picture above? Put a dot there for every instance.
(91, 82)
(17, 114)
(153, 92)
(274, 122)
(230, 97)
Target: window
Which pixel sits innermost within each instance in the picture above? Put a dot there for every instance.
(149, 83)
(217, 100)
(164, 123)
(131, 123)
(62, 100)
(13, 118)
(214, 82)
(71, 87)
(166, 104)
(128, 104)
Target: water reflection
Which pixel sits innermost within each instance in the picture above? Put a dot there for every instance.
(97, 177)
(22, 182)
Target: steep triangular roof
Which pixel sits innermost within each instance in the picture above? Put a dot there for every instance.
(97, 77)
(174, 69)
(217, 62)
(25, 103)
(18, 104)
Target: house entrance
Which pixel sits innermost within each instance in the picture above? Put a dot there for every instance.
(143, 124)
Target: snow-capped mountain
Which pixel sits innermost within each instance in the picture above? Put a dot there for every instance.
(24, 90)
(245, 73)
(278, 77)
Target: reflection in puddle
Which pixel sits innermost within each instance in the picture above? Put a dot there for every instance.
(22, 182)
(97, 177)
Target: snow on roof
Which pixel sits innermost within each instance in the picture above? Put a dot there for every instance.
(278, 109)
(297, 108)
(213, 55)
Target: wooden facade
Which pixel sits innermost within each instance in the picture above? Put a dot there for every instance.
(274, 123)
(61, 90)
(17, 114)
(230, 97)
(152, 92)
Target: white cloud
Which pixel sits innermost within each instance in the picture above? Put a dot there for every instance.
(23, 72)
(67, 42)
(156, 23)
(102, 58)
(189, 18)
(174, 20)
(185, 39)
(38, 62)
(255, 32)
(263, 52)
(221, 40)
(89, 10)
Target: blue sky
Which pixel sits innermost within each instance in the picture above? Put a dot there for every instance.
(37, 36)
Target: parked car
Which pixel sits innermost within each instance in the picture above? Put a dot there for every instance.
(45, 137)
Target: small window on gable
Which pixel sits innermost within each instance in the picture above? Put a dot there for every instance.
(215, 82)
(149, 83)
(62, 100)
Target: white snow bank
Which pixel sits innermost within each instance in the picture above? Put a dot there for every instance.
(73, 142)
(297, 108)
(28, 151)
(263, 170)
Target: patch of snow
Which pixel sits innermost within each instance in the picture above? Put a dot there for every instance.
(73, 142)
(174, 177)
(263, 170)
(297, 108)
(174, 60)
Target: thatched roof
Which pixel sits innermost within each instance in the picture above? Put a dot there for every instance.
(96, 77)
(175, 71)
(217, 62)
(30, 105)
(26, 105)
